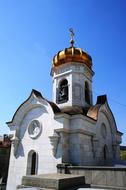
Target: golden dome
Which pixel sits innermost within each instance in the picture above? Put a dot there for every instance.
(72, 54)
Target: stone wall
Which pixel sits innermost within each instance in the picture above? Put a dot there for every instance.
(110, 177)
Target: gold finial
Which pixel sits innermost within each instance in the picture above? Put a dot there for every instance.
(71, 35)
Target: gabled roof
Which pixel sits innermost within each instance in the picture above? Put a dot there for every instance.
(38, 95)
(93, 110)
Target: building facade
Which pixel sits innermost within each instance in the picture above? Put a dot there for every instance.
(5, 145)
(70, 129)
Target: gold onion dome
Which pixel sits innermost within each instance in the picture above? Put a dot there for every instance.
(72, 54)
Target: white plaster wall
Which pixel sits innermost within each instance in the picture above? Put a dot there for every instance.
(13, 175)
(78, 80)
(76, 74)
(46, 161)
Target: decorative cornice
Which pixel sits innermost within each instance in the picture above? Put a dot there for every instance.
(75, 131)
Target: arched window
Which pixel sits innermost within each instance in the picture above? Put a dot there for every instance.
(87, 93)
(63, 91)
(103, 130)
(32, 163)
(105, 152)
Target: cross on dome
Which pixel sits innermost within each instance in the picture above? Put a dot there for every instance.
(71, 35)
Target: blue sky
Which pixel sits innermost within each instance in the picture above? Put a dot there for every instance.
(33, 31)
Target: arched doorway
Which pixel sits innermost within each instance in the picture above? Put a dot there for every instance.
(87, 93)
(105, 154)
(32, 163)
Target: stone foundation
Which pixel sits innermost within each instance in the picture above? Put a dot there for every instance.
(104, 177)
(52, 181)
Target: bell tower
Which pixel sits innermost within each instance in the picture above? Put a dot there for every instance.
(72, 78)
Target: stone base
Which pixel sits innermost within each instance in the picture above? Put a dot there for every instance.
(53, 181)
(100, 177)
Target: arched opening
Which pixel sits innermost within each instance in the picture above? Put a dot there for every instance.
(32, 163)
(103, 130)
(87, 93)
(63, 91)
(105, 155)
(105, 152)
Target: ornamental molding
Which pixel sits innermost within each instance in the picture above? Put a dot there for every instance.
(75, 131)
(55, 139)
(15, 142)
(34, 129)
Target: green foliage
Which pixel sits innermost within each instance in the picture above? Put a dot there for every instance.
(123, 155)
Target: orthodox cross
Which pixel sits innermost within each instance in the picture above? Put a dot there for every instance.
(71, 35)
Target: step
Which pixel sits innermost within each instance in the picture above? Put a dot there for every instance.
(53, 181)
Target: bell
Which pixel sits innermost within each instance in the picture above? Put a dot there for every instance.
(64, 92)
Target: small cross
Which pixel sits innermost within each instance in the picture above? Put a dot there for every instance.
(71, 35)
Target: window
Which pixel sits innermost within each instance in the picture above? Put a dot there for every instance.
(62, 93)
(103, 130)
(105, 152)
(87, 93)
(32, 163)
(34, 129)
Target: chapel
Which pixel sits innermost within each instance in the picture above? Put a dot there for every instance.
(69, 129)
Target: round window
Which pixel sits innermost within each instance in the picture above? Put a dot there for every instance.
(103, 130)
(34, 129)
